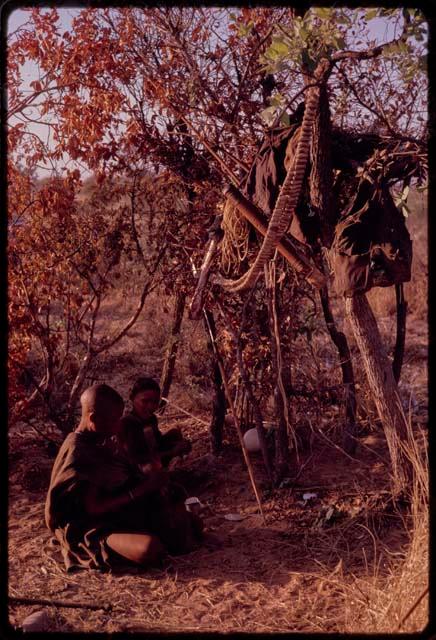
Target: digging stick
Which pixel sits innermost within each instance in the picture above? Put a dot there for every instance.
(234, 416)
(197, 308)
(191, 415)
(59, 603)
(286, 247)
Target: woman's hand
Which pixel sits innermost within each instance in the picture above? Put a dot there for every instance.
(181, 448)
(154, 481)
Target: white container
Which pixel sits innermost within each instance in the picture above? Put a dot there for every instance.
(251, 441)
(193, 505)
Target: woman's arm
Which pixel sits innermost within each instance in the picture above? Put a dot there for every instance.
(98, 504)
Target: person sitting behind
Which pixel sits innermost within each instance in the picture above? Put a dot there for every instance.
(140, 434)
(99, 508)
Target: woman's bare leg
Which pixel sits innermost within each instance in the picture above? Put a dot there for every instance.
(140, 548)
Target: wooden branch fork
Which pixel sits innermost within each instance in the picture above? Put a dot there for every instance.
(286, 247)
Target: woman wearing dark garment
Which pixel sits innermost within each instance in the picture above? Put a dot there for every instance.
(102, 508)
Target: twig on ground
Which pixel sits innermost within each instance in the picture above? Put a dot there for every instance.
(412, 609)
(186, 412)
(59, 603)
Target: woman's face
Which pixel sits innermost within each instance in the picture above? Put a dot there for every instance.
(108, 419)
(145, 403)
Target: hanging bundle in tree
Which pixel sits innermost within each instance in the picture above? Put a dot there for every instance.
(234, 246)
(372, 246)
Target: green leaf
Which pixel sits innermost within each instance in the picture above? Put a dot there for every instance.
(322, 12)
(268, 114)
(245, 29)
(281, 47)
(372, 13)
(276, 100)
(303, 34)
(271, 54)
(285, 120)
(405, 210)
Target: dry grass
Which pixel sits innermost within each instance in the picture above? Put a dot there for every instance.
(358, 572)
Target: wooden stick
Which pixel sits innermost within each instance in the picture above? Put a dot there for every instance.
(286, 247)
(234, 416)
(184, 411)
(59, 603)
(409, 613)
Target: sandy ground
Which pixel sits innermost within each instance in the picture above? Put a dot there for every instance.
(284, 572)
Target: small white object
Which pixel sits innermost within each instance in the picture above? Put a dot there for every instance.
(193, 504)
(251, 441)
(309, 496)
(37, 621)
(234, 517)
(330, 512)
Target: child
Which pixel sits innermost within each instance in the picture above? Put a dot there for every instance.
(140, 435)
(99, 508)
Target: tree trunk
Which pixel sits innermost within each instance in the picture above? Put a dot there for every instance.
(172, 348)
(401, 332)
(382, 385)
(340, 341)
(219, 404)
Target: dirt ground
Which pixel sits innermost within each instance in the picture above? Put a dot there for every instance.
(288, 571)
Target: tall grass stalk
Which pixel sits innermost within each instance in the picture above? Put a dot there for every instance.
(398, 601)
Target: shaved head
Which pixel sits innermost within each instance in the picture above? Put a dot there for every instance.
(100, 403)
(99, 397)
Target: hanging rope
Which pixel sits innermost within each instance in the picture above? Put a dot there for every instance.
(234, 245)
(289, 192)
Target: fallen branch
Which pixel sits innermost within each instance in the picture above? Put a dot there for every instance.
(412, 609)
(59, 603)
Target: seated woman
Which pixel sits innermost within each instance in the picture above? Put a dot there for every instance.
(100, 508)
(140, 433)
